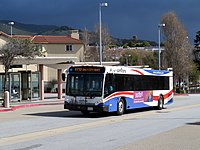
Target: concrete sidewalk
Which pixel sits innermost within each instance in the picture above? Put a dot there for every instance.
(50, 99)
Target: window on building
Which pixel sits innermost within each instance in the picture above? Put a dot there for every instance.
(68, 47)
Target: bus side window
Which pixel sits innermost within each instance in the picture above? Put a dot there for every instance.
(108, 85)
(111, 88)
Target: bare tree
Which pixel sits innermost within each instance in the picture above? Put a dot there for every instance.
(178, 53)
(106, 41)
(86, 40)
(16, 48)
(138, 57)
(92, 54)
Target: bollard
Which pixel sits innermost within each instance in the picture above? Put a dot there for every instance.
(6, 99)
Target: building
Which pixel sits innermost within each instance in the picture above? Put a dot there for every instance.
(28, 77)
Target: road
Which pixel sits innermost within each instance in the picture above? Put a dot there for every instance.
(51, 127)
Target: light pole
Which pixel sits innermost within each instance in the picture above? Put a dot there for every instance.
(11, 24)
(159, 51)
(100, 42)
(127, 59)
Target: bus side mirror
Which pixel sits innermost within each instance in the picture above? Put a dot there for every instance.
(63, 76)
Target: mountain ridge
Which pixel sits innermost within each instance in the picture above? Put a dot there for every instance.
(33, 29)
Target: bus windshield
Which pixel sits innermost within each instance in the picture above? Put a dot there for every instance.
(84, 85)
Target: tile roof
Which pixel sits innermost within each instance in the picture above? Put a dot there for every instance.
(55, 39)
(4, 34)
(46, 39)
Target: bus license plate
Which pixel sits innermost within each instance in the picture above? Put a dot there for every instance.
(90, 108)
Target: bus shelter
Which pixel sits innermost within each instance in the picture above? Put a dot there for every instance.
(29, 85)
(21, 85)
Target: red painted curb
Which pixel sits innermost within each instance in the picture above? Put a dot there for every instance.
(6, 110)
(27, 105)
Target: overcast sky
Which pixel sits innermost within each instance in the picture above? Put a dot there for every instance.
(124, 18)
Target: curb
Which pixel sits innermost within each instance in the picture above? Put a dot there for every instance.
(13, 108)
(181, 94)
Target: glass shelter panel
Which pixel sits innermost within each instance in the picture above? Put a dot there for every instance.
(35, 80)
(15, 86)
(1, 87)
(26, 90)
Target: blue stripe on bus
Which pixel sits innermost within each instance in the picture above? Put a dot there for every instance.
(131, 105)
(112, 104)
(157, 72)
(170, 101)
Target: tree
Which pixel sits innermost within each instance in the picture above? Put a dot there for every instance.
(138, 57)
(145, 44)
(131, 44)
(195, 74)
(135, 38)
(197, 39)
(106, 40)
(197, 47)
(16, 48)
(86, 39)
(178, 50)
(92, 54)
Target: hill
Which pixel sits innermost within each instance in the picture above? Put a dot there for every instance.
(25, 29)
(32, 29)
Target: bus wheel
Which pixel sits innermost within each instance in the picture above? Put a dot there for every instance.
(120, 107)
(160, 103)
(85, 112)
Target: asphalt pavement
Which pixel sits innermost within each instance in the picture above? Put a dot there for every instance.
(184, 135)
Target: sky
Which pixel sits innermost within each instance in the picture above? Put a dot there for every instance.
(124, 18)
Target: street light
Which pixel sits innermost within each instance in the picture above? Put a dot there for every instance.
(159, 51)
(11, 24)
(127, 59)
(100, 43)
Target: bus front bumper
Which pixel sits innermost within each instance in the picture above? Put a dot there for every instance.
(90, 108)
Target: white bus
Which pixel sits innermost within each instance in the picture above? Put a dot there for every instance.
(116, 88)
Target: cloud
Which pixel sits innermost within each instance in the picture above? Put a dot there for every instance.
(124, 18)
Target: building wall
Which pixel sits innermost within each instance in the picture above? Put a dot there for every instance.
(3, 40)
(59, 50)
(50, 50)
(52, 74)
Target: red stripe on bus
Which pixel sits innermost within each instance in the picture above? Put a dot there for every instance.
(138, 72)
(119, 93)
(165, 96)
(131, 93)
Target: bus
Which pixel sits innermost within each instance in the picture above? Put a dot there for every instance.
(97, 88)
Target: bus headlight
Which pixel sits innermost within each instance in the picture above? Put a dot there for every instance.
(98, 102)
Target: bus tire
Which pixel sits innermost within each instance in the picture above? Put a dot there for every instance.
(85, 112)
(120, 107)
(160, 103)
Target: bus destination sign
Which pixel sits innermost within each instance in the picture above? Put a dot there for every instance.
(87, 69)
